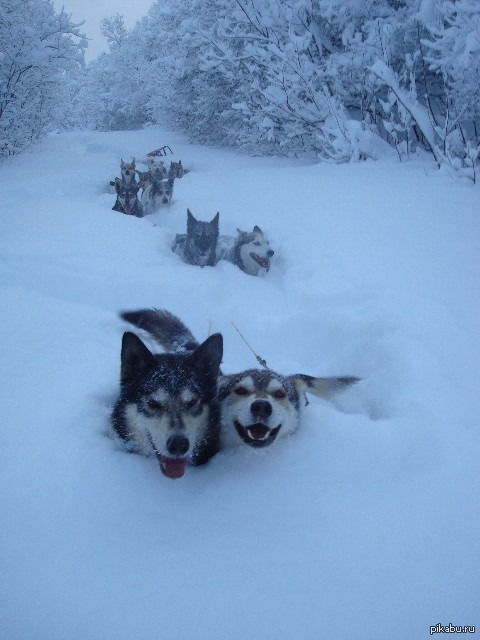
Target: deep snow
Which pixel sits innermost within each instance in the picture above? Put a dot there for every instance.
(364, 524)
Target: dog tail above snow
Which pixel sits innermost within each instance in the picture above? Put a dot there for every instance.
(165, 328)
(323, 387)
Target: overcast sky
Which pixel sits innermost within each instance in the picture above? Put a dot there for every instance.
(92, 11)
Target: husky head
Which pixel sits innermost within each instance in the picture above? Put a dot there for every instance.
(126, 196)
(128, 170)
(201, 241)
(162, 191)
(156, 169)
(167, 404)
(177, 170)
(252, 251)
(259, 406)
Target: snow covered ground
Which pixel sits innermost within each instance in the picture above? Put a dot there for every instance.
(364, 524)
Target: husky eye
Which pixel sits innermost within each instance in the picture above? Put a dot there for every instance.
(241, 391)
(155, 405)
(278, 394)
(190, 404)
(257, 243)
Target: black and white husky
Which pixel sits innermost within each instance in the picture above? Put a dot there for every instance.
(156, 194)
(250, 251)
(258, 406)
(168, 404)
(127, 199)
(199, 245)
(156, 184)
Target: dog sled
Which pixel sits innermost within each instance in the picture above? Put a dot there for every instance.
(161, 152)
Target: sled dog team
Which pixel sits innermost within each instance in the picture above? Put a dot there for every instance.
(201, 245)
(156, 185)
(178, 405)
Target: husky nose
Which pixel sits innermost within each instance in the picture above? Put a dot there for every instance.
(178, 445)
(270, 253)
(261, 408)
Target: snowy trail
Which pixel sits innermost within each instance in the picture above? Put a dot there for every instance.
(364, 524)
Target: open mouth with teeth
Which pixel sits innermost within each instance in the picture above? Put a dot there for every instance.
(257, 434)
(263, 262)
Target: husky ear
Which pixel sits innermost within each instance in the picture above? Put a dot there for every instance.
(256, 229)
(216, 219)
(135, 358)
(207, 358)
(322, 387)
(190, 218)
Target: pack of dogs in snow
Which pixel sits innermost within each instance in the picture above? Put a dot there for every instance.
(155, 184)
(202, 245)
(178, 405)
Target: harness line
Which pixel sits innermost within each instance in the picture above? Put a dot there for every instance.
(257, 357)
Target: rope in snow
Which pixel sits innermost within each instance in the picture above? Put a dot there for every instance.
(257, 357)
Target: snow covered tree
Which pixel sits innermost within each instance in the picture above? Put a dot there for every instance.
(114, 30)
(178, 85)
(111, 95)
(453, 54)
(303, 70)
(38, 50)
(341, 80)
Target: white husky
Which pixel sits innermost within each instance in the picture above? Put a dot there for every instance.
(250, 251)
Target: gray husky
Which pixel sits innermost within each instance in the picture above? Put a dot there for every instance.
(257, 405)
(198, 246)
(168, 404)
(250, 251)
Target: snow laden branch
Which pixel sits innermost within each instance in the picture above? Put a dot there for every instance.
(418, 113)
(422, 119)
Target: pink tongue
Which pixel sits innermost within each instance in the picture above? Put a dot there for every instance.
(173, 467)
(258, 431)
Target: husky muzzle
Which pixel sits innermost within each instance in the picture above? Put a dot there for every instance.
(173, 465)
(258, 434)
